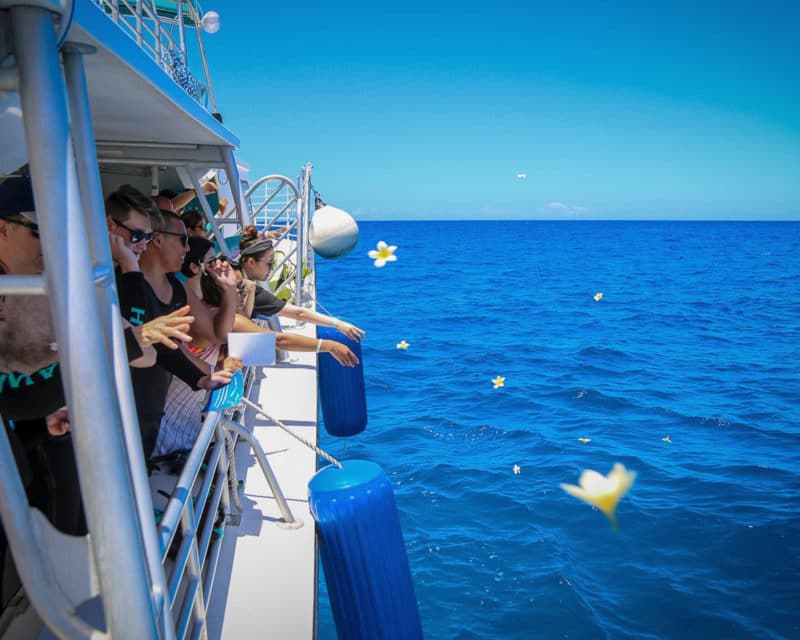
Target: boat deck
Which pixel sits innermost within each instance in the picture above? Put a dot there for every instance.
(272, 569)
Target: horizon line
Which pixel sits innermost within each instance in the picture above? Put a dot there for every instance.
(789, 220)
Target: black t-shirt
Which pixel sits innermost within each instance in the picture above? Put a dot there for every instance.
(266, 303)
(140, 304)
(25, 397)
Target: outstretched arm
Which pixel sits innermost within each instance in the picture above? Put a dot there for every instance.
(305, 315)
(292, 342)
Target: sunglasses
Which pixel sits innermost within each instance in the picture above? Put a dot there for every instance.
(28, 225)
(137, 235)
(184, 237)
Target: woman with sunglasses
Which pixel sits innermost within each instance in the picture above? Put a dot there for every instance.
(200, 261)
(256, 258)
(182, 411)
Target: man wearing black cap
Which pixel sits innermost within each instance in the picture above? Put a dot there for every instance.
(32, 402)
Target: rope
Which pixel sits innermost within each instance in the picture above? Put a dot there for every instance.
(233, 479)
(319, 451)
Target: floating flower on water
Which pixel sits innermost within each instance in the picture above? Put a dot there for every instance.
(517, 469)
(498, 382)
(666, 439)
(603, 492)
(584, 440)
(403, 345)
(384, 254)
(598, 296)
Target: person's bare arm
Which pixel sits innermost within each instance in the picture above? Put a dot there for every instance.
(292, 342)
(306, 315)
(182, 199)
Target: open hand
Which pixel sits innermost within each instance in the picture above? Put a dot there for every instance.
(341, 352)
(122, 254)
(214, 381)
(350, 330)
(222, 274)
(166, 329)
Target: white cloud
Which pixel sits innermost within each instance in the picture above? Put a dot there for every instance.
(565, 208)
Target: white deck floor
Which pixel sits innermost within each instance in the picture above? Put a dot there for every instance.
(273, 573)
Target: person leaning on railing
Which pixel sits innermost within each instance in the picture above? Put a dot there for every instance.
(32, 400)
(204, 271)
(201, 262)
(130, 217)
(256, 258)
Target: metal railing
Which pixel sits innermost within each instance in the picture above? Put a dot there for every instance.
(161, 33)
(276, 203)
(145, 592)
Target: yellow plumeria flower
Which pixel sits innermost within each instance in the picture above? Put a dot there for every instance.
(403, 345)
(603, 492)
(498, 382)
(584, 440)
(384, 254)
(517, 469)
(598, 296)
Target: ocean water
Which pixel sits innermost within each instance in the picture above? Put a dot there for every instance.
(697, 337)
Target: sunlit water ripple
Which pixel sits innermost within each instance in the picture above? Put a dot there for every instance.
(696, 337)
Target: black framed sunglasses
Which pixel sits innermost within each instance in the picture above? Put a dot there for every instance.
(183, 236)
(34, 228)
(137, 235)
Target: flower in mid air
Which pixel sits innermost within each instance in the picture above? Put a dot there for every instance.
(517, 469)
(384, 254)
(498, 382)
(403, 345)
(603, 492)
(598, 296)
(584, 440)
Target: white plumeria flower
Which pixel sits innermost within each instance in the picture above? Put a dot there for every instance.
(384, 254)
(603, 492)
(403, 345)
(498, 382)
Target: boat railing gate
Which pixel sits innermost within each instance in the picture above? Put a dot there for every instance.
(280, 204)
(155, 26)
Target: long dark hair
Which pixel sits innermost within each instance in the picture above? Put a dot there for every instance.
(211, 293)
(198, 247)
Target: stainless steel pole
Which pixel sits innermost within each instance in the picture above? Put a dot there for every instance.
(99, 448)
(94, 218)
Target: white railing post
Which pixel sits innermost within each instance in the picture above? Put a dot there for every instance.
(302, 228)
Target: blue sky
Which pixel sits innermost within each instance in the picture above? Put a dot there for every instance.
(632, 110)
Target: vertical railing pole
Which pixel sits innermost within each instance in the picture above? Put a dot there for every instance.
(232, 171)
(94, 218)
(302, 223)
(139, 30)
(181, 32)
(97, 437)
(211, 98)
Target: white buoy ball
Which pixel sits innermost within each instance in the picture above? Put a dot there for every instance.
(332, 232)
(210, 22)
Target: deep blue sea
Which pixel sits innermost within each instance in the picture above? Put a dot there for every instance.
(697, 337)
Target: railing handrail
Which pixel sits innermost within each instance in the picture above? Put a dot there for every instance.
(151, 30)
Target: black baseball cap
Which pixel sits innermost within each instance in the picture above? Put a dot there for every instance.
(16, 198)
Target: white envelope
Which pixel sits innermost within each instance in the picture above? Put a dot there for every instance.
(253, 349)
